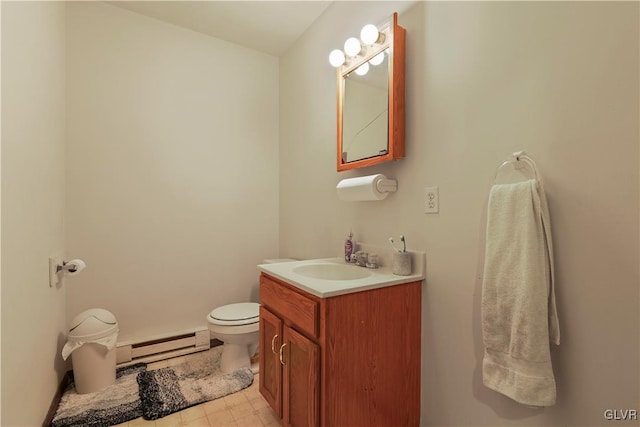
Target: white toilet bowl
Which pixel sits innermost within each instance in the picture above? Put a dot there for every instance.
(237, 325)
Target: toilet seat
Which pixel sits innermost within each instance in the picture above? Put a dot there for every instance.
(244, 313)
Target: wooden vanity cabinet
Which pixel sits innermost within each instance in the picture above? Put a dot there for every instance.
(288, 371)
(349, 360)
(270, 366)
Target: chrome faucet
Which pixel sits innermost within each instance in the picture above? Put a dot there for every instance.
(364, 259)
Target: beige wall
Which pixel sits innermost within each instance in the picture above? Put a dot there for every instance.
(33, 127)
(172, 182)
(172, 160)
(559, 80)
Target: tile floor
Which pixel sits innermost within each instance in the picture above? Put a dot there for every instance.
(246, 408)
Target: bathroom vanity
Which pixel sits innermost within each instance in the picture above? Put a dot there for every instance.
(340, 345)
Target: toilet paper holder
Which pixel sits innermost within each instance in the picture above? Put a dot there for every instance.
(72, 266)
(386, 185)
(57, 271)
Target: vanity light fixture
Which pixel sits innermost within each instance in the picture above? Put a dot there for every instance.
(363, 69)
(356, 50)
(378, 59)
(337, 58)
(370, 35)
(352, 46)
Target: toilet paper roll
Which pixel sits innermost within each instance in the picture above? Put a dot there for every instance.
(361, 188)
(75, 266)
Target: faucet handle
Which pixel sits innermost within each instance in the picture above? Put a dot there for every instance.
(361, 258)
(372, 261)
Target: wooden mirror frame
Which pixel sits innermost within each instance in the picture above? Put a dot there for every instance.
(396, 112)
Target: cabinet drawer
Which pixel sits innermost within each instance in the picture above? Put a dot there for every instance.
(294, 307)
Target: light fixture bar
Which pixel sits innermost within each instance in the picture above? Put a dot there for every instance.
(373, 41)
(349, 67)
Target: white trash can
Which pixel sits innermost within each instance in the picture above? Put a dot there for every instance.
(92, 344)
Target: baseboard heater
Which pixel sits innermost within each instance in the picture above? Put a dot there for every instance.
(162, 347)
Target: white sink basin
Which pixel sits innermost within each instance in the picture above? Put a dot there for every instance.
(329, 277)
(331, 271)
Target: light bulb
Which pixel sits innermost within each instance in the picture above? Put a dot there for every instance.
(378, 59)
(352, 46)
(363, 69)
(369, 34)
(336, 58)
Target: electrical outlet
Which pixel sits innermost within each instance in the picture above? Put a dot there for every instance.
(431, 204)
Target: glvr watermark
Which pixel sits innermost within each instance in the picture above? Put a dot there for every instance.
(621, 414)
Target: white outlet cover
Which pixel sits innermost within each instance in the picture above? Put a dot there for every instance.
(431, 202)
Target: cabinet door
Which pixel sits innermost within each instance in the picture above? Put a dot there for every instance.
(270, 367)
(301, 383)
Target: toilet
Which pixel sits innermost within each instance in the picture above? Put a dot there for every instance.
(236, 325)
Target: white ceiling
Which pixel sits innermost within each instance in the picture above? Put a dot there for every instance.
(268, 26)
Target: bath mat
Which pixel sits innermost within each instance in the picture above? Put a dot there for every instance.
(112, 405)
(168, 390)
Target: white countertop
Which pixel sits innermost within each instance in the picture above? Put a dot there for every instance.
(323, 288)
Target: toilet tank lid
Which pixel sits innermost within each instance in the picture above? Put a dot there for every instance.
(278, 260)
(238, 311)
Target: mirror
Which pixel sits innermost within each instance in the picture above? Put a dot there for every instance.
(371, 101)
(365, 112)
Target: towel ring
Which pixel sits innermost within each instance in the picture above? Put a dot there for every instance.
(519, 161)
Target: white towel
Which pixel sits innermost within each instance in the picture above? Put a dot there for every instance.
(519, 316)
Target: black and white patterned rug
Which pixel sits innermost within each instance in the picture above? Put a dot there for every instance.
(199, 379)
(118, 403)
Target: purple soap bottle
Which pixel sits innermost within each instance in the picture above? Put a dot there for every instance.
(348, 247)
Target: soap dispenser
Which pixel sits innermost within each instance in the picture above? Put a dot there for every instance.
(348, 247)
